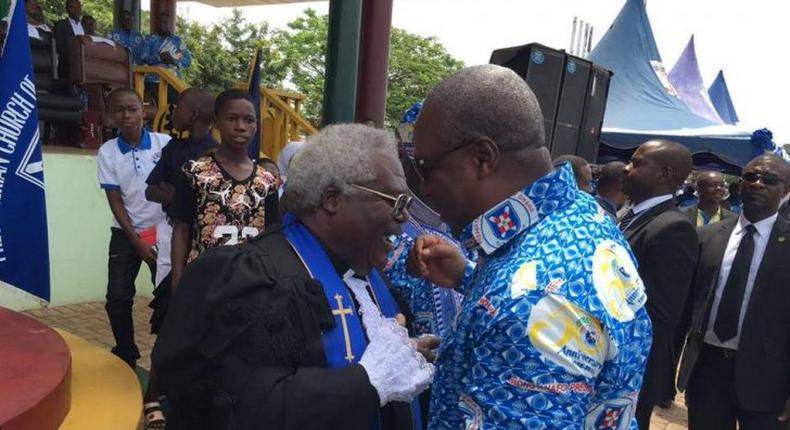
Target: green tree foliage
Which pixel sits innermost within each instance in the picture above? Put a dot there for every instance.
(211, 61)
(416, 64)
(221, 53)
(100, 10)
(303, 50)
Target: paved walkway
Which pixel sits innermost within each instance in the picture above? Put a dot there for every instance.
(89, 321)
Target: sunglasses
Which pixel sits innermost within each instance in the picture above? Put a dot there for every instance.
(422, 165)
(400, 203)
(765, 178)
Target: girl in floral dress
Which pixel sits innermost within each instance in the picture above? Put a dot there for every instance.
(223, 198)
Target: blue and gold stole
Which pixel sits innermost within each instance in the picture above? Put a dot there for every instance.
(344, 344)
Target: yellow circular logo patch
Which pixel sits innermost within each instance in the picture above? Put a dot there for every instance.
(617, 281)
(568, 336)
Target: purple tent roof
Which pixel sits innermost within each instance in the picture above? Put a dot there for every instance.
(687, 80)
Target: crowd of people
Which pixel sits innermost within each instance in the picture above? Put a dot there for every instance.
(448, 275)
(162, 48)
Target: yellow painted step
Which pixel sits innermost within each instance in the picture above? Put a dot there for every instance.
(105, 393)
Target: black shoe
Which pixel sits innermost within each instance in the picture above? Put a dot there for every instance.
(132, 362)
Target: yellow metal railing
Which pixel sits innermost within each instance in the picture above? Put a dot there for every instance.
(280, 122)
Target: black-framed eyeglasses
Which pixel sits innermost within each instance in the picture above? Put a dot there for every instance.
(400, 203)
(716, 185)
(422, 165)
(765, 178)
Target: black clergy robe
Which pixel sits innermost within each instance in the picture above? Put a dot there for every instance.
(242, 348)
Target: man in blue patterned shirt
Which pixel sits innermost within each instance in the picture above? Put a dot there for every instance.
(128, 37)
(434, 308)
(553, 332)
(165, 49)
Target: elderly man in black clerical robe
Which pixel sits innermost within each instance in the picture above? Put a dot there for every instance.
(296, 328)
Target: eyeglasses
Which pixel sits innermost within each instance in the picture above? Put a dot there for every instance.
(714, 185)
(400, 203)
(422, 165)
(765, 178)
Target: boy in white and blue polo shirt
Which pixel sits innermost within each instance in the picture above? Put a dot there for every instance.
(124, 164)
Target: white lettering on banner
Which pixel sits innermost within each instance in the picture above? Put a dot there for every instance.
(2, 250)
(3, 170)
(15, 114)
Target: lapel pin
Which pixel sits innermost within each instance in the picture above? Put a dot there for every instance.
(781, 239)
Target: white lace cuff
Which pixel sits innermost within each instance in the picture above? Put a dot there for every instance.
(394, 367)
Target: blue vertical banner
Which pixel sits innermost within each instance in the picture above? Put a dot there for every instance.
(254, 88)
(24, 255)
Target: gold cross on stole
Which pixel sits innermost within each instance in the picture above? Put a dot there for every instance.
(342, 312)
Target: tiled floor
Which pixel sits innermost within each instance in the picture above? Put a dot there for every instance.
(88, 320)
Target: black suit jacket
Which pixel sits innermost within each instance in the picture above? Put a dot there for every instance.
(64, 37)
(692, 211)
(665, 245)
(784, 211)
(608, 207)
(762, 373)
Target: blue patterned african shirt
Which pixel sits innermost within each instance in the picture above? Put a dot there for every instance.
(130, 39)
(553, 333)
(434, 308)
(155, 44)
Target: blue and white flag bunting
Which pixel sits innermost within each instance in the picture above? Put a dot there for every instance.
(24, 255)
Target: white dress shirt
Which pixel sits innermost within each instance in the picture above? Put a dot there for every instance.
(76, 27)
(760, 243)
(646, 206)
(33, 30)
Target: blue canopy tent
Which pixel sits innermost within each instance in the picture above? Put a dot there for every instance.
(720, 97)
(643, 104)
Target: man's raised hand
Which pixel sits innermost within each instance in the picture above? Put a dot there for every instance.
(436, 260)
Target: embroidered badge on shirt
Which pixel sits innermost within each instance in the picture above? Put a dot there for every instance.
(568, 336)
(525, 280)
(507, 219)
(617, 281)
(615, 415)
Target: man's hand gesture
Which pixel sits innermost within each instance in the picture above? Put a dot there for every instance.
(785, 417)
(167, 57)
(434, 259)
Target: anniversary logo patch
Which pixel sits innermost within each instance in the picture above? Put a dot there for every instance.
(617, 281)
(568, 336)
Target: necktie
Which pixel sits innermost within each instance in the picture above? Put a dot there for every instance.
(726, 324)
(626, 220)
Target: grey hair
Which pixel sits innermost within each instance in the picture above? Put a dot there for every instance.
(337, 156)
(490, 101)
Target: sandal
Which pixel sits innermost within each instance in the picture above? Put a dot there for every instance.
(154, 418)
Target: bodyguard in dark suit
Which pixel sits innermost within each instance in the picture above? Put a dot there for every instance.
(581, 171)
(784, 210)
(711, 189)
(736, 365)
(610, 188)
(665, 245)
(65, 30)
